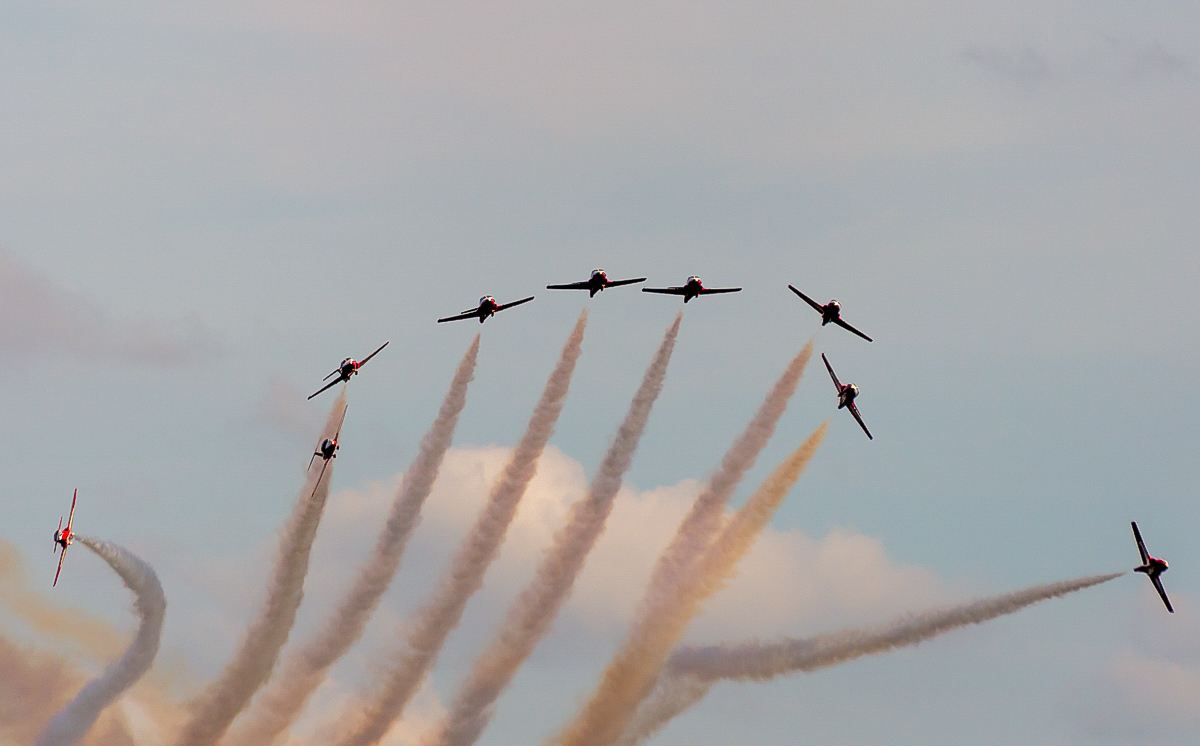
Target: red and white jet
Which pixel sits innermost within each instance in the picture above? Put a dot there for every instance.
(847, 393)
(690, 289)
(487, 307)
(349, 367)
(1152, 566)
(831, 312)
(594, 284)
(63, 537)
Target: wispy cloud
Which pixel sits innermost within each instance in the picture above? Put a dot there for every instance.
(38, 318)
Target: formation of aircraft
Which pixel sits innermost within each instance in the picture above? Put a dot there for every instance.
(487, 307)
(63, 537)
(349, 367)
(831, 312)
(594, 284)
(690, 289)
(846, 393)
(1151, 566)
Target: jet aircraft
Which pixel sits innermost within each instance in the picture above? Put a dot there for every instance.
(64, 537)
(487, 307)
(594, 284)
(690, 289)
(349, 367)
(847, 393)
(830, 312)
(328, 448)
(1152, 566)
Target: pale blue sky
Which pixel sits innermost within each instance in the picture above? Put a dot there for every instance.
(203, 211)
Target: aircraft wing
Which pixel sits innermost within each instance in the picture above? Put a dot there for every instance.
(666, 291)
(72, 518)
(615, 283)
(373, 354)
(1141, 545)
(807, 300)
(854, 411)
(63, 556)
(325, 388)
(710, 291)
(472, 314)
(849, 328)
(514, 303)
(571, 286)
(832, 375)
(1158, 587)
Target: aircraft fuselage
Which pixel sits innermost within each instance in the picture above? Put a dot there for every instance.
(597, 282)
(830, 312)
(847, 395)
(487, 307)
(1153, 568)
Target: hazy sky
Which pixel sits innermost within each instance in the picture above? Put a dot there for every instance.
(204, 209)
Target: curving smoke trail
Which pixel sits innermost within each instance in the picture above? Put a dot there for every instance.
(365, 723)
(251, 665)
(530, 616)
(631, 674)
(74, 720)
(691, 671)
(305, 668)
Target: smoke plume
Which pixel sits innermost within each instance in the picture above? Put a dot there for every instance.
(530, 616)
(98, 639)
(366, 722)
(691, 671)
(635, 667)
(251, 665)
(73, 721)
(304, 669)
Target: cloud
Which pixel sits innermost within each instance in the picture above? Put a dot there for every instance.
(1027, 68)
(1147, 692)
(789, 581)
(39, 318)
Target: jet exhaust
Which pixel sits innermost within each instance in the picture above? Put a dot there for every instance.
(74, 720)
(251, 664)
(365, 722)
(305, 668)
(532, 613)
(691, 671)
(631, 674)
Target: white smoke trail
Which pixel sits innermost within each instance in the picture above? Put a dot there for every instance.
(691, 671)
(530, 616)
(304, 669)
(700, 525)
(631, 674)
(251, 665)
(365, 723)
(74, 720)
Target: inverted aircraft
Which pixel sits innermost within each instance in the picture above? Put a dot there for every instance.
(594, 284)
(487, 307)
(1151, 566)
(690, 289)
(63, 537)
(349, 367)
(847, 393)
(831, 312)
